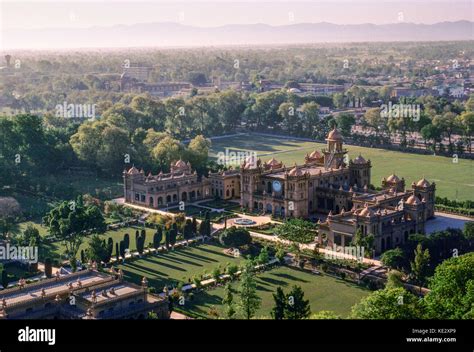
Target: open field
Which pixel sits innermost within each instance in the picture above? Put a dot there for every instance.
(453, 180)
(323, 293)
(179, 265)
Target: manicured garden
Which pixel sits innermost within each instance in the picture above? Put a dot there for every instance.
(221, 204)
(323, 292)
(179, 265)
(185, 264)
(199, 213)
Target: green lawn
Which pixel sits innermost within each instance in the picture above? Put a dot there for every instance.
(453, 180)
(43, 231)
(179, 265)
(323, 293)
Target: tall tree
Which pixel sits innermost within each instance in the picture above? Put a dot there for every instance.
(167, 150)
(197, 152)
(188, 229)
(451, 293)
(389, 303)
(466, 122)
(157, 237)
(374, 119)
(419, 267)
(297, 307)
(345, 121)
(228, 301)
(99, 250)
(278, 311)
(249, 301)
(69, 221)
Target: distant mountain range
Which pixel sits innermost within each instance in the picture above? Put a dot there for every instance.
(175, 35)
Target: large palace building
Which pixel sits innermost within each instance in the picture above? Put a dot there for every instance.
(326, 183)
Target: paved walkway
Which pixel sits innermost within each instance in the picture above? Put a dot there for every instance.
(310, 246)
(444, 220)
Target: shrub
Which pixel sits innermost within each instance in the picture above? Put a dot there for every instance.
(235, 237)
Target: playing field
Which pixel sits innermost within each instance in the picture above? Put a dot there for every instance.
(453, 180)
(323, 293)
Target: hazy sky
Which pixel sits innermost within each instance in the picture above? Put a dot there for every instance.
(87, 13)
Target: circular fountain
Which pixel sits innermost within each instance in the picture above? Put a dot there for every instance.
(244, 222)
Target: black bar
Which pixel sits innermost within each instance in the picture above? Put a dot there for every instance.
(130, 333)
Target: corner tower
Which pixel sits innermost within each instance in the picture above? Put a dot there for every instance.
(360, 172)
(425, 192)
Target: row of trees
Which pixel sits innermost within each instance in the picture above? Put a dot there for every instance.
(100, 250)
(147, 132)
(439, 118)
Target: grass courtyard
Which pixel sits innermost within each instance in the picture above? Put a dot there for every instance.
(323, 293)
(180, 265)
(453, 180)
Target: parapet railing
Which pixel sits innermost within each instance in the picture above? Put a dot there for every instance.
(45, 281)
(48, 296)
